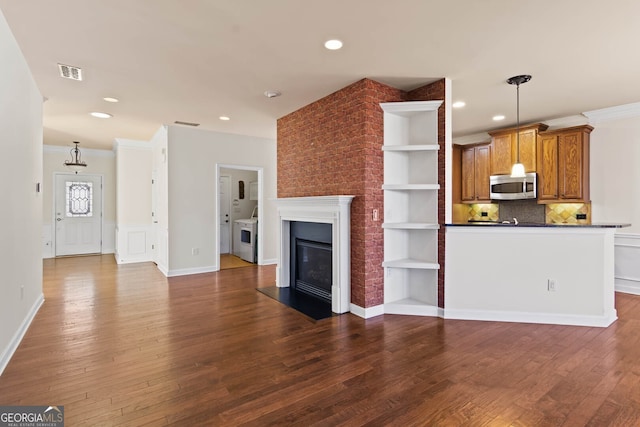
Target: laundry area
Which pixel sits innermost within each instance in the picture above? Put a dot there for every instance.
(239, 216)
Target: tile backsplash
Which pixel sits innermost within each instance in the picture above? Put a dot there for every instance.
(567, 213)
(528, 211)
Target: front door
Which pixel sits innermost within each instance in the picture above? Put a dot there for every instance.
(225, 214)
(78, 214)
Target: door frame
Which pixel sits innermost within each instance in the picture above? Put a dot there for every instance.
(260, 171)
(230, 242)
(55, 198)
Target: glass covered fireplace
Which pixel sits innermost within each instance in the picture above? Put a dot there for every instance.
(311, 259)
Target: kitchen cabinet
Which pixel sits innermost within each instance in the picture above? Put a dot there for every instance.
(563, 158)
(476, 165)
(410, 225)
(505, 150)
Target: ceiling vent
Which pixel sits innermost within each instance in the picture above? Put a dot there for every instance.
(186, 123)
(70, 72)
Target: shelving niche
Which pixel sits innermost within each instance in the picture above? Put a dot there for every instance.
(411, 207)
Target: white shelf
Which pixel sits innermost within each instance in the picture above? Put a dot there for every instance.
(410, 187)
(421, 147)
(410, 226)
(411, 263)
(403, 187)
(411, 307)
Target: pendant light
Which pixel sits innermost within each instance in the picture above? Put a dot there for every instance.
(517, 171)
(76, 164)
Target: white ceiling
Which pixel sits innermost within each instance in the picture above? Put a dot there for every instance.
(195, 60)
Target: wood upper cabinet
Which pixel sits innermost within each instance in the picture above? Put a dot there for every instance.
(563, 157)
(504, 148)
(476, 161)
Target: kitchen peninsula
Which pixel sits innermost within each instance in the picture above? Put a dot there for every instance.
(538, 273)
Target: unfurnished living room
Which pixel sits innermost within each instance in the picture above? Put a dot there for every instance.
(345, 213)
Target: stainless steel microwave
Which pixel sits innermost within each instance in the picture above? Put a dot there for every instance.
(504, 187)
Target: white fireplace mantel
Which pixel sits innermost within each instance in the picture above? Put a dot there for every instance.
(334, 210)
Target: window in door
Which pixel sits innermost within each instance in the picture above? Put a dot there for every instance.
(79, 199)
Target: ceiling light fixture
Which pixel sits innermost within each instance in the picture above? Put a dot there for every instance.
(224, 118)
(100, 115)
(109, 99)
(76, 164)
(517, 171)
(334, 44)
(272, 93)
(498, 117)
(458, 104)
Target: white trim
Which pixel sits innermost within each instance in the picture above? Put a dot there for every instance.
(85, 151)
(367, 313)
(270, 261)
(8, 352)
(260, 171)
(565, 122)
(130, 143)
(627, 278)
(476, 138)
(613, 113)
(188, 271)
(523, 317)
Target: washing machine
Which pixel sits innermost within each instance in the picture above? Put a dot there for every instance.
(244, 238)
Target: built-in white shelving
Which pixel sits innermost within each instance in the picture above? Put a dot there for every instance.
(411, 207)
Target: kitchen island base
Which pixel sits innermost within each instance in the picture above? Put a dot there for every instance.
(555, 275)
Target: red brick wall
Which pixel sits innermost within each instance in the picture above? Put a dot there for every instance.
(333, 147)
(434, 92)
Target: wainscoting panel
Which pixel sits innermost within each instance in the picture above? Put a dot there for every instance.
(134, 244)
(627, 263)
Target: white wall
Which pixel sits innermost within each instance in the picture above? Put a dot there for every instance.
(134, 231)
(615, 172)
(99, 162)
(192, 158)
(615, 189)
(21, 213)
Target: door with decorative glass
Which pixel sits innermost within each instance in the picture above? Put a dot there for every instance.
(78, 214)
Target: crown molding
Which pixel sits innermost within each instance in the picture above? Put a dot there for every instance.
(93, 152)
(613, 113)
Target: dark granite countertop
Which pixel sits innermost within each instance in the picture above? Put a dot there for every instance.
(530, 224)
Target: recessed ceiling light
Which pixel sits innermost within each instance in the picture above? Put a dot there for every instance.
(109, 99)
(498, 117)
(272, 93)
(100, 115)
(458, 104)
(224, 118)
(334, 44)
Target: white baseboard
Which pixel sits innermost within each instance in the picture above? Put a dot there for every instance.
(627, 285)
(7, 354)
(269, 261)
(187, 271)
(520, 317)
(367, 313)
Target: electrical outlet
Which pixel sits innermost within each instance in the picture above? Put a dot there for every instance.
(195, 251)
(21, 292)
(375, 214)
(552, 285)
(388, 271)
(484, 214)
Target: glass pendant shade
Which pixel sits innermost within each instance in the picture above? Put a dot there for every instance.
(517, 171)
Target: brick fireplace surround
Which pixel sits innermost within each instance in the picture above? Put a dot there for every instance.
(334, 147)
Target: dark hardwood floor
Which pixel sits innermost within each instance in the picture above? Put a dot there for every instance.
(123, 345)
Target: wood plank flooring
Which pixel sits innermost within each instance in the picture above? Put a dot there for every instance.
(123, 345)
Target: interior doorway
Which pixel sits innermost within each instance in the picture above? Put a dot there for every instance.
(245, 197)
(77, 214)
